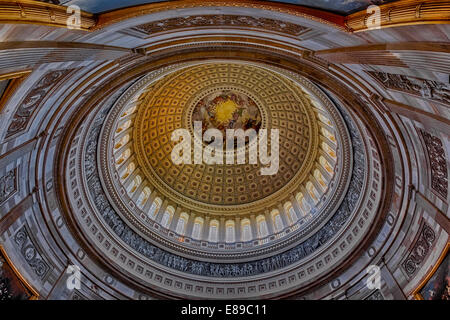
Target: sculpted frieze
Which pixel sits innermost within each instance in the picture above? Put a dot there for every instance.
(8, 185)
(33, 100)
(424, 88)
(221, 20)
(438, 163)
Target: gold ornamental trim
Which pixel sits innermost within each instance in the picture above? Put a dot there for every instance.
(41, 13)
(16, 79)
(22, 279)
(416, 292)
(325, 17)
(399, 13)
(403, 13)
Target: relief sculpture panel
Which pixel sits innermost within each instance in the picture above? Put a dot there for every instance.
(8, 185)
(221, 20)
(438, 163)
(424, 88)
(420, 250)
(31, 253)
(33, 100)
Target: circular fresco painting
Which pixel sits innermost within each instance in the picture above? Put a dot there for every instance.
(227, 109)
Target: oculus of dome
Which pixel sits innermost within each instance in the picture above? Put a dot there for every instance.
(227, 109)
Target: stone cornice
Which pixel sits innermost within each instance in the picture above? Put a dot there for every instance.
(403, 13)
(36, 12)
(321, 16)
(399, 13)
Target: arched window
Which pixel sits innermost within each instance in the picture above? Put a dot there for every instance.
(320, 179)
(213, 231)
(182, 222)
(197, 229)
(327, 134)
(328, 150)
(246, 230)
(292, 214)
(325, 164)
(299, 197)
(229, 231)
(167, 216)
(123, 126)
(312, 191)
(154, 208)
(143, 197)
(277, 222)
(316, 103)
(123, 141)
(123, 157)
(303, 204)
(324, 119)
(129, 111)
(134, 185)
(263, 231)
(128, 170)
(290, 211)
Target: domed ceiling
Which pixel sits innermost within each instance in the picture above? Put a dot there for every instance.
(174, 103)
(222, 198)
(121, 150)
(189, 217)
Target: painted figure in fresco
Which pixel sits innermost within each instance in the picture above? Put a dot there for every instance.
(438, 287)
(227, 110)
